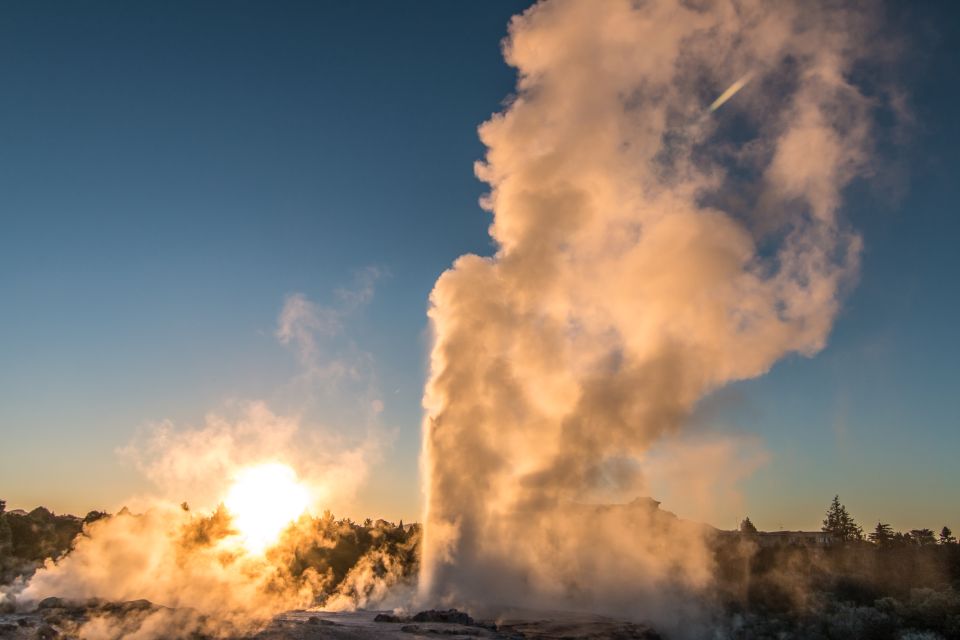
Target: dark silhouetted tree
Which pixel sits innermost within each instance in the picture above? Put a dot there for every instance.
(6, 539)
(922, 537)
(946, 536)
(840, 523)
(881, 535)
(747, 527)
(93, 516)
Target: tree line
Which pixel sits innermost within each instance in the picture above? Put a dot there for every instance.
(313, 546)
(842, 527)
(882, 585)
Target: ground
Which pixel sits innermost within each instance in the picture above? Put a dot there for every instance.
(56, 619)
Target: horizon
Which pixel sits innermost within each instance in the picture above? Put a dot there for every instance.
(401, 521)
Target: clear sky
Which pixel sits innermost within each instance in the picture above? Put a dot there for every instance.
(171, 172)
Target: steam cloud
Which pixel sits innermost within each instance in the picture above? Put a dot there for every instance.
(648, 253)
(190, 559)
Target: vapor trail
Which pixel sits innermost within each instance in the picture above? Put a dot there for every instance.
(731, 91)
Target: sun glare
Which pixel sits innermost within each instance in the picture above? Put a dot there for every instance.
(263, 500)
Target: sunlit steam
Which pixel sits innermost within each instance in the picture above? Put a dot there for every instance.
(263, 501)
(645, 257)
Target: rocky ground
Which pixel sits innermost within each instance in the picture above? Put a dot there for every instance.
(55, 618)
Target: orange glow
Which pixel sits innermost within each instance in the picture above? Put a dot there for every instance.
(263, 501)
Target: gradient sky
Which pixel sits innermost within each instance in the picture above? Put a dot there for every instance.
(170, 172)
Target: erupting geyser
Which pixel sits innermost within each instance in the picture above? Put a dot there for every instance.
(646, 255)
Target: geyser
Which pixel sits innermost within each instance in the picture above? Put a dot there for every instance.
(646, 255)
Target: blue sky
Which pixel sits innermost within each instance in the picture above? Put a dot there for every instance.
(170, 172)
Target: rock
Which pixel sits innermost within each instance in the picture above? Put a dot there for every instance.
(450, 616)
(95, 603)
(52, 603)
(53, 616)
(582, 629)
(316, 620)
(443, 631)
(125, 608)
(46, 632)
(138, 605)
(389, 617)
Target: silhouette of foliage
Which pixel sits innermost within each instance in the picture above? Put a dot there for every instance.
(6, 536)
(922, 537)
(946, 536)
(882, 534)
(321, 550)
(840, 524)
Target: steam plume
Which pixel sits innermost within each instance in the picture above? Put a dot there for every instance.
(192, 558)
(646, 256)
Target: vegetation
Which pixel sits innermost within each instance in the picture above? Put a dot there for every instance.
(27, 539)
(6, 535)
(351, 559)
(889, 584)
(946, 536)
(325, 554)
(840, 524)
(882, 535)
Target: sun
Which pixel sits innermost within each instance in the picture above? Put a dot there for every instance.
(263, 500)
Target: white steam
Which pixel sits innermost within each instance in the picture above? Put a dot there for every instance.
(210, 543)
(646, 256)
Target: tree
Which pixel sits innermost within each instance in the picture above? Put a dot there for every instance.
(946, 536)
(840, 524)
(747, 527)
(6, 536)
(882, 535)
(922, 537)
(93, 516)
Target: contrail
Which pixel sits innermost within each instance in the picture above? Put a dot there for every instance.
(731, 91)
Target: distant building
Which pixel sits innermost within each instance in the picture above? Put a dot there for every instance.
(797, 538)
(768, 539)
